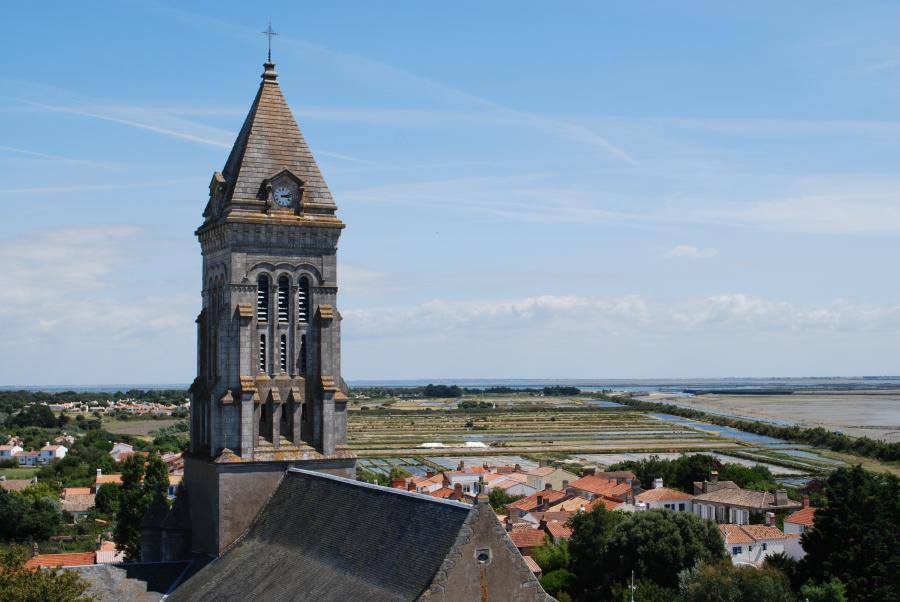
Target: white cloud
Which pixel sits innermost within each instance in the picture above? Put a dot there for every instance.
(692, 252)
(634, 314)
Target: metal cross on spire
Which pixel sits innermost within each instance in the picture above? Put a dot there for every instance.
(270, 33)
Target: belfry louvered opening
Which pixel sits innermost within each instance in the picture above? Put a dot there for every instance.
(262, 353)
(282, 354)
(284, 289)
(303, 354)
(262, 299)
(303, 300)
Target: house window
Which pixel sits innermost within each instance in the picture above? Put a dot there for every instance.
(284, 289)
(262, 299)
(303, 300)
(749, 548)
(681, 507)
(765, 547)
(303, 354)
(282, 354)
(736, 550)
(262, 353)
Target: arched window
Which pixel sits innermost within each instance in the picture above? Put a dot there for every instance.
(303, 354)
(303, 300)
(262, 299)
(262, 353)
(282, 353)
(284, 291)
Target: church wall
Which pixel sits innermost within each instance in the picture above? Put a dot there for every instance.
(505, 577)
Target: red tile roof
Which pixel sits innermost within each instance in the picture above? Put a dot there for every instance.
(749, 533)
(443, 492)
(527, 538)
(805, 517)
(531, 564)
(608, 504)
(558, 530)
(542, 471)
(530, 503)
(601, 486)
(57, 560)
(662, 494)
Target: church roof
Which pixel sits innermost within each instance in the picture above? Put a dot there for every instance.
(322, 537)
(269, 143)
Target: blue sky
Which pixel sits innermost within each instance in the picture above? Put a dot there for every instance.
(532, 189)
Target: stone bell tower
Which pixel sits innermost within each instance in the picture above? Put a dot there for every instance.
(268, 392)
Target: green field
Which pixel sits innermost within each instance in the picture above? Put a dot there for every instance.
(138, 428)
(18, 473)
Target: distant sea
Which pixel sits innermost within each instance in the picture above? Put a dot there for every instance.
(585, 384)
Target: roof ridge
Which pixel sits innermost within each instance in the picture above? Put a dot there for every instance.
(389, 490)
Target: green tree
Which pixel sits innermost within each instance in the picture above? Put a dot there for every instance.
(499, 498)
(644, 591)
(658, 544)
(552, 556)
(854, 538)
(140, 487)
(22, 516)
(557, 581)
(107, 500)
(591, 532)
(18, 584)
(831, 591)
(725, 582)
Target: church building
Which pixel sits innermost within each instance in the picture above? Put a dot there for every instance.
(268, 392)
(271, 509)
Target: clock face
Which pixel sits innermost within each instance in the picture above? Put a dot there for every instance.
(283, 196)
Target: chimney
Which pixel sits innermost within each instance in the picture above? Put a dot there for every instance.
(543, 524)
(565, 485)
(588, 471)
(657, 483)
(806, 501)
(35, 550)
(429, 474)
(410, 486)
(398, 483)
(629, 497)
(542, 463)
(714, 476)
(546, 505)
(540, 501)
(517, 468)
(548, 486)
(781, 498)
(770, 519)
(486, 467)
(99, 472)
(457, 492)
(462, 466)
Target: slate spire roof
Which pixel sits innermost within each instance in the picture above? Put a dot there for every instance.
(269, 142)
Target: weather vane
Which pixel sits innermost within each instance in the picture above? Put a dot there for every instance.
(270, 33)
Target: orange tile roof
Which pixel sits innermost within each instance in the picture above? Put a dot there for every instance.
(531, 564)
(531, 503)
(805, 517)
(57, 560)
(662, 494)
(557, 530)
(108, 479)
(572, 505)
(601, 486)
(76, 491)
(608, 504)
(527, 538)
(749, 533)
(443, 492)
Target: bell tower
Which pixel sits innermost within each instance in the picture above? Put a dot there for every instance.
(268, 392)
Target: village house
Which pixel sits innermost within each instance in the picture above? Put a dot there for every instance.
(8, 452)
(49, 453)
(592, 486)
(802, 520)
(536, 502)
(752, 544)
(120, 451)
(726, 503)
(28, 458)
(664, 497)
(526, 539)
(77, 501)
(557, 478)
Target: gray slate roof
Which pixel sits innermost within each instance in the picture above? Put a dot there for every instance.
(268, 142)
(327, 538)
